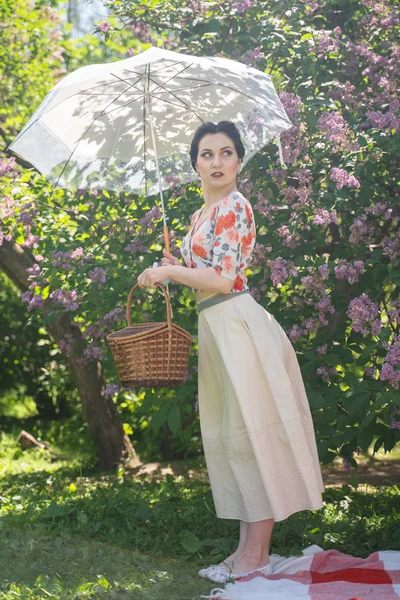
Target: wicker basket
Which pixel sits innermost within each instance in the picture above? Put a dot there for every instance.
(151, 354)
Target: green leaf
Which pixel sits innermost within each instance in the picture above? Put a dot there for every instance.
(174, 419)
(189, 541)
(82, 518)
(159, 417)
(54, 510)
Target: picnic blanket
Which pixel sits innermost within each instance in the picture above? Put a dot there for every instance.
(320, 575)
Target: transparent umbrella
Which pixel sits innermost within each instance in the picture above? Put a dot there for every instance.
(128, 125)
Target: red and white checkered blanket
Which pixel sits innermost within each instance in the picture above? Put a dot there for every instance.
(321, 575)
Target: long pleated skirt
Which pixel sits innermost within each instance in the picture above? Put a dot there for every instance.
(257, 431)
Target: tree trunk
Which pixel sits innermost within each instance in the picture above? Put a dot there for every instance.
(105, 426)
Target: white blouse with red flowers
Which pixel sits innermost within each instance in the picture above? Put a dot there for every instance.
(224, 240)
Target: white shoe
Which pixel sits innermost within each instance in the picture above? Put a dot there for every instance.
(213, 570)
(219, 574)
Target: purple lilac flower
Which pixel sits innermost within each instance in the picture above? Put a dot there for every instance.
(27, 213)
(281, 270)
(311, 325)
(391, 246)
(137, 246)
(66, 298)
(296, 332)
(391, 375)
(344, 92)
(154, 214)
(8, 205)
(313, 282)
(342, 178)
(324, 217)
(326, 372)
(336, 130)
(324, 306)
(362, 311)
(369, 372)
(376, 209)
(311, 5)
(294, 141)
(8, 167)
(388, 120)
(141, 32)
(66, 344)
(322, 349)
(64, 259)
(393, 412)
(93, 352)
(30, 240)
(111, 390)
(33, 300)
(104, 27)
(98, 274)
(350, 271)
(291, 241)
(347, 464)
(360, 232)
(252, 57)
(242, 5)
(376, 327)
(327, 44)
(393, 312)
(393, 354)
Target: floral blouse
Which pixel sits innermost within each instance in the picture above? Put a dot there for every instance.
(224, 240)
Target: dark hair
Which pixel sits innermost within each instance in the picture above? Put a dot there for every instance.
(226, 127)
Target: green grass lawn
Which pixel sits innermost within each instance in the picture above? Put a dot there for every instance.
(68, 532)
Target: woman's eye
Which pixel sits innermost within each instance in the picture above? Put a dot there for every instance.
(206, 154)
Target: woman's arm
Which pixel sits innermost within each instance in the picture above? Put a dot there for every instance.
(204, 279)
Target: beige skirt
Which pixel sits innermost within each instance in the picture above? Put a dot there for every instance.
(257, 431)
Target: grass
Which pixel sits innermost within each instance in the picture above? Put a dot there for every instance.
(68, 532)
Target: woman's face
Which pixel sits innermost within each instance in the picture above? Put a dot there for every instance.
(217, 160)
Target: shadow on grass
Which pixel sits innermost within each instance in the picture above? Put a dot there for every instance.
(37, 565)
(79, 534)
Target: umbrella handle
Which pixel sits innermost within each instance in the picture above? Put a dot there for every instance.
(166, 239)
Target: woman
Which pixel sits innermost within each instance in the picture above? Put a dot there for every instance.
(256, 425)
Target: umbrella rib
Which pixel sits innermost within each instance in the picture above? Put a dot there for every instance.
(177, 75)
(85, 132)
(71, 96)
(250, 98)
(152, 95)
(179, 100)
(185, 78)
(162, 68)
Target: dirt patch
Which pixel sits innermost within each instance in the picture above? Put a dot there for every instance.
(370, 472)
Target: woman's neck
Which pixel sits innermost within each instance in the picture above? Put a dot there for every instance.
(212, 196)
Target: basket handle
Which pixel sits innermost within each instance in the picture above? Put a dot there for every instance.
(167, 302)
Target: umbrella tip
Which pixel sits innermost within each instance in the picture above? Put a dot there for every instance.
(278, 143)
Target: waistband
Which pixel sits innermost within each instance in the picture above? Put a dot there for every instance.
(217, 298)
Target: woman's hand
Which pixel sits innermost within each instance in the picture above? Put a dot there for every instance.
(151, 276)
(169, 260)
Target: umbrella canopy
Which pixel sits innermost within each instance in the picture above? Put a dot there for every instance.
(127, 125)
